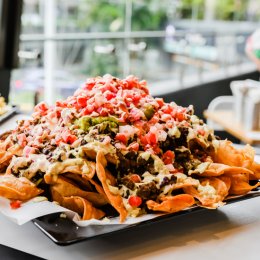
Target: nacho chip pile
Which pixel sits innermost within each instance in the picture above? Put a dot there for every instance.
(113, 149)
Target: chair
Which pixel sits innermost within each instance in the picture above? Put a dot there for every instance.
(219, 103)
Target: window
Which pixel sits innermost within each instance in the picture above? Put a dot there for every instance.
(166, 42)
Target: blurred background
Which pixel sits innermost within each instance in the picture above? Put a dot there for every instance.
(173, 44)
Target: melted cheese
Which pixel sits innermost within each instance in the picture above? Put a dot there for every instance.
(207, 191)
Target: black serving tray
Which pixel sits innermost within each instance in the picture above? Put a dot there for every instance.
(11, 112)
(63, 231)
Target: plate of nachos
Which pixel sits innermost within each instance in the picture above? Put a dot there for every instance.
(112, 150)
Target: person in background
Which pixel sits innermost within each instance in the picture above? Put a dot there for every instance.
(252, 48)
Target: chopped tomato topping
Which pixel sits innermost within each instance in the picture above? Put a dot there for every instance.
(88, 110)
(180, 116)
(135, 178)
(135, 201)
(152, 138)
(102, 111)
(28, 150)
(121, 137)
(41, 108)
(134, 147)
(168, 157)
(201, 132)
(22, 140)
(81, 101)
(61, 104)
(110, 95)
(159, 102)
(168, 109)
(68, 138)
(15, 204)
(143, 140)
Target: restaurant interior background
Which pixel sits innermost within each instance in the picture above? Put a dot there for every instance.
(173, 44)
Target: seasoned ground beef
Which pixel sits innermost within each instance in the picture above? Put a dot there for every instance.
(148, 191)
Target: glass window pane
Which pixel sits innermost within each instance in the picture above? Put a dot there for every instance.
(91, 16)
(75, 61)
(32, 16)
(149, 15)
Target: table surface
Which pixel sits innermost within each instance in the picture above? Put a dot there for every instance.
(226, 119)
(231, 232)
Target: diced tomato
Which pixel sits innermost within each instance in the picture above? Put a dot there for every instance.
(155, 119)
(110, 95)
(136, 98)
(88, 110)
(28, 150)
(134, 147)
(90, 84)
(168, 110)
(143, 140)
(72, 139)
(60, 104)
(121, 137)
(68, 138)
(22, 139)
(135, 201)
(102, 111)
(157, 149)
(168, 157)
(109, 107)
(159, 101)
(58, 141)
(135, 178)
(81, 101)
(180, 116)
(201, 132)
(152, 138)
(41, 108)
(123, 117)
(15, 204)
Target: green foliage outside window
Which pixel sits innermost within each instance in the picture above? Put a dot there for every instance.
(192, 9)
(231, 10)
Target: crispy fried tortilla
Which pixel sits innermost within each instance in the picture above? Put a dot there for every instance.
(79, 205)
(171, 204)
(67, 188)
(217, 169)
(227, 154)
(210, 193)
(240, 184)
(115, 200)
(15, 188)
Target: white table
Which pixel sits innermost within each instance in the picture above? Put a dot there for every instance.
(231, 232)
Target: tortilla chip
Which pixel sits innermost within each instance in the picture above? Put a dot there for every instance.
(76, 166)
(212, 199)
(79, 205)
(227, 154)
(4, 135)
(5, 157)
(115, 199)
(227, 180)
(171, 204)
(17, 188)
(217, 169)
(66, 188)
(176, 186)
(240, 184)
(255, 167)
(91, 151)
(79, 181)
